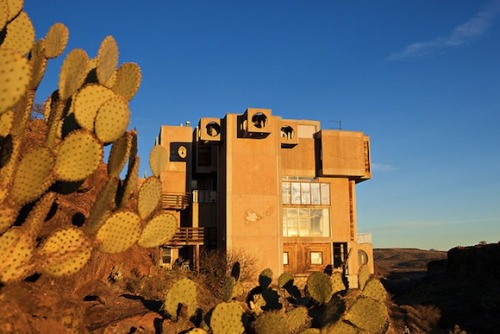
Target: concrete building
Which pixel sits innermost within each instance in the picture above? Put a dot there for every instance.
(282, 190)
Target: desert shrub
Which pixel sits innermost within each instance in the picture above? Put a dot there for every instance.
(422, 318)
(215, 265)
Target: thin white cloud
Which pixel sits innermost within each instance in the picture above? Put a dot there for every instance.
(464, 33)
(383, 167)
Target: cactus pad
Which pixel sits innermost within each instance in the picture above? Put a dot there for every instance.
(20, 34)
(107, 59)
(298, 319)
(363, 276)
(271, 323)
(65, 252)
(130, 184)
(375, 290)
(119, 232)
(33, 175)
(227, 319)
(337, 282)
(184, 292)
(112, 119)
(104, 203)
(14, 7)
(7, 217)
(149, 197)
(285, 279)
(158, 231)
(38, 63)
(87, 102)
(265, 278)
(73, 73)
(16, 251)
(6, 120)
(368, 314)
(37, 215)
(128, 79)
(119, 154)
(14, 78)
(56, 40)
(319, 287)
(339, 327)
(78, 156)
(158, 158)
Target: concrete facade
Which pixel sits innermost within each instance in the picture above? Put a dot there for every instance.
(281, 190)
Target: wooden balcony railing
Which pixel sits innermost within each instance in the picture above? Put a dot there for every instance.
(178, 201)
(187, 236)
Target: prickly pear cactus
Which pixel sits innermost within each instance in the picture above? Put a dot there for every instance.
(227, 318)
(182, 292)
(319, 287)
(88, 109)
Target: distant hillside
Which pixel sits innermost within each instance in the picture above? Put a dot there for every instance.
(461, 287)
(393, 260)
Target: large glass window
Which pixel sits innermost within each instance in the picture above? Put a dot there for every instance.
(306, 222)
(306, 207)
(305, 193)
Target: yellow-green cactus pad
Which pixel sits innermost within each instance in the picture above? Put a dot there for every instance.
(20, 34)
(363, 276)
(15, 7)
(103, 205)
(4, 13)
(6, 122)
(37, 215)
(119, 154)
(368, 314)
(158, 231)
(33, 175)
(73, 73)
(183, 291)
(38, 63)
(119, 232)
(8, 216)
(56, 40)
(107, 59)
(128, 80)
(16, 251)
(14, 78)
(65, 252)
(130, 184)
(158, 158)
(78, 156)
(112, 119)
(88, 101)
(149, 197)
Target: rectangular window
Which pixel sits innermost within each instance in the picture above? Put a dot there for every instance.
(295, 193)
(285, 188)
(285, 258)
(305, 193)
(325, 194)
(306, 222)
(316, 258)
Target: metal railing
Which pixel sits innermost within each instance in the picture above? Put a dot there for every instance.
(178, 201)
(186, 236)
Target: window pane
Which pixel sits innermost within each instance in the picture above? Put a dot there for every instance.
(292, 222)
(285, 257)
(315, 194)
(304, 222)
(285, 186)
(306, 193)
(325, 194)
(295, 193)
(316, 257)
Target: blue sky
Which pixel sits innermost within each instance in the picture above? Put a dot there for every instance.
(421, 78)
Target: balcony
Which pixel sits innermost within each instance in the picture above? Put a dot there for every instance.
(175, 201)
(187, 236)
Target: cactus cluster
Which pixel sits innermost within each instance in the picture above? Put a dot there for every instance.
(335, 310)
(88, 110)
